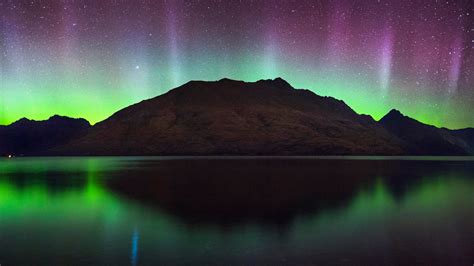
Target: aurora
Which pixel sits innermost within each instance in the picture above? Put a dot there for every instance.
(91, 58)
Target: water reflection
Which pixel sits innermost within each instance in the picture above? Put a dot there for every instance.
(270, 190)
(134, 255)
(236, 211)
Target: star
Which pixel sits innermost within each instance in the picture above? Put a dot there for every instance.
(336, 48)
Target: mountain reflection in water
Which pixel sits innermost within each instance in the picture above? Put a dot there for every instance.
(141, 211)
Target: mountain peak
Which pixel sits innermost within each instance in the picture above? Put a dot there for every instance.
(282, 82)
(276, 82)
(228, 80)
(393, 114)
(21, 121)
(227, 83)
(201, 83)
(60, 118)
(422, 139)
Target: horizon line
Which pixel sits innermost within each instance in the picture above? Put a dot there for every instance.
(237, 80)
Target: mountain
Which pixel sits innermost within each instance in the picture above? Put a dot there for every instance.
(35, 137)
(422, 139)
(228, 117)
(467, 136)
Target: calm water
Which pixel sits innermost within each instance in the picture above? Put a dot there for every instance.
(271, 211)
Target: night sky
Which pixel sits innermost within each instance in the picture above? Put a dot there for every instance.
(91, 58)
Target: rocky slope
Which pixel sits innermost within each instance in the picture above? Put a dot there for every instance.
(422, 139)
(229, 117)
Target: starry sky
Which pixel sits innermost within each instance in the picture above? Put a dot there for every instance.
(89, 58)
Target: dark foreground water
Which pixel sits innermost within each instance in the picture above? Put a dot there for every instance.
(270, 211)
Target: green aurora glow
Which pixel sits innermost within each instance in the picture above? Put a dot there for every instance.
(91, 60)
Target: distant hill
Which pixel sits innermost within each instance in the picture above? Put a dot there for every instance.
(422, 139)
(228, 117)
(31, 137)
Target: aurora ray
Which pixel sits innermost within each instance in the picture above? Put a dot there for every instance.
(63, 57)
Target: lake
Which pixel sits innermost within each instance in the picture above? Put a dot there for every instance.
(237, 211)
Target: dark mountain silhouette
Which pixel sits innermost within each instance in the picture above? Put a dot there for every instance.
(422, 139)
(228, 117)
(467, 136)
(36, 137)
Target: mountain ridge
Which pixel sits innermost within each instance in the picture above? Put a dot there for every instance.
(228, 117)
(35, 137)
(419, 138)
(266, 117)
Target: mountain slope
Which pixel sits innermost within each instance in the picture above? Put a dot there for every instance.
(267, 117)
(467, 137)
(422, 139)
(35, 137)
